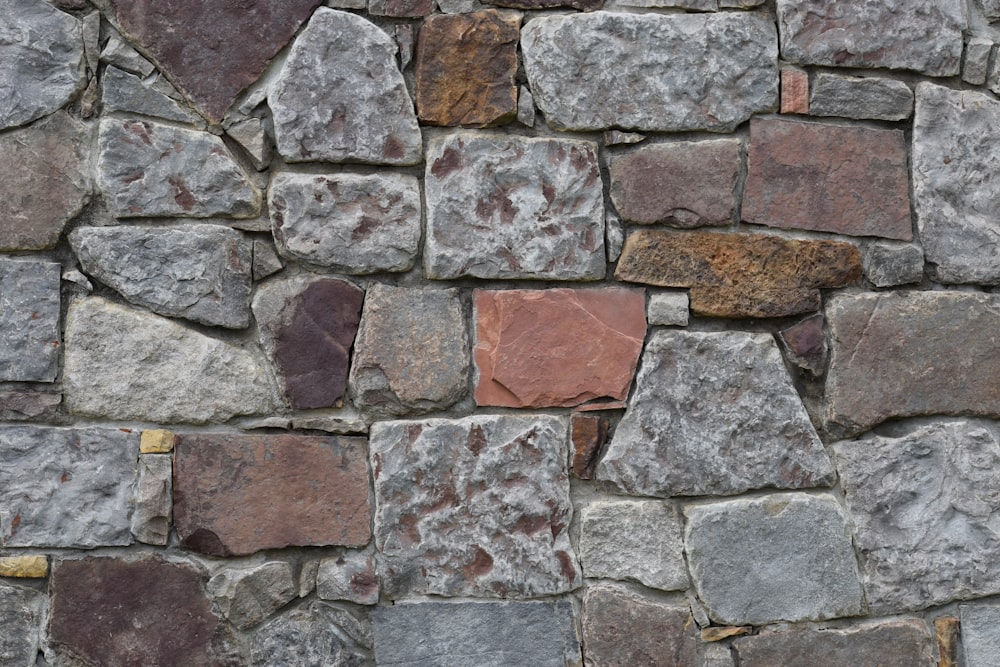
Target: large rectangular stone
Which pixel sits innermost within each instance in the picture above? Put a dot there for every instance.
(29, 320)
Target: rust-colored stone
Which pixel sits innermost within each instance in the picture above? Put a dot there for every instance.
(465, 69)
(718, 633)
(946, 630)
(739, 275)
(237, 494)
(401, 8)
(588, 433)
(794, 90)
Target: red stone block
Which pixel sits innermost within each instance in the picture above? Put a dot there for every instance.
(588, 433)
(794, 90)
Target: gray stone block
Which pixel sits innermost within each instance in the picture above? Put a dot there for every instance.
(29, 320)
(668, 309)
(248, 596)
(854, 97)
(892, 264)
(153, 499)
(121, 91)
(980, 634)
(22, 612)
(317, 634)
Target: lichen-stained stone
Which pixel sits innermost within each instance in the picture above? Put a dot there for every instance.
(828, 178)
(980, 627)
(197, 271)
(123, 364)
(341, 98)
(247, 596)
(692, 429)
(22, 612)
(672, 73)
(307, 326)
(633, 539)
(477, 506)
(622, 627)
(350, 223)
(739, 275)
(805, 343)
(26, 405)
(588, 434)
(350, 576)
(486, 634)
(317, 634)
(921, 505)
(121, 91)
(29, 320)
(781, 557)
(290, 491)
(682, 184)
(412, 351)
(853, 97)
(24, 567)
(152, 500)
(401, 8)
(144, 169)
(465, 69)
(891, 264)
(926, 34)
(513, 207)
(903, 354)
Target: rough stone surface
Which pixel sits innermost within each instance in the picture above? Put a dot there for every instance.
(307, 326)
(794, 90)
(622, 628)
(926, 34)
(125, 364)
(588, 434)
(717, 655)
(347, 222)
(739, 275)
(465, 69)
(927, 347)
(682, 184)
(121, 91)
(922, 505)
(691, 430)
(991, 8)
(265, 260)
(805, 343)
(151, 514)
(980, 636)
(486, 634)
(144, 170)
(583, 5)
(318, 634)
(526, 107)
(977, 60)
(156, 441)
(668, 309)
(513, 207)
(22, 612)
(412, 351)
(557, 347)
(401, 8)
(24, 567)
(117, 52)
(633, 539)
(457, 531)
(677, 72)
(66, 487)
(828, 178)
(778, 557)
(252, 135)
(28, 405)
(853, 97)
(891, 264)
(29, 320)
(947, 632)
(248, 596)
(342, 69)
(197, 271)
(291, 490)
(350, 576)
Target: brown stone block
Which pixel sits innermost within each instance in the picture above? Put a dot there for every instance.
(794, 90)
(946, 628)
(588, 433)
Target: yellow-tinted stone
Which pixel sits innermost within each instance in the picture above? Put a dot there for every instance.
(946, 628)
(715, 633)
(26, 567)
(156, 442)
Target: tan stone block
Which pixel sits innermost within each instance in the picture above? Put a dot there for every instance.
(25, 567)
(156, 441)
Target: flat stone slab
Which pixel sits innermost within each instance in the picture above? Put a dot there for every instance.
(782, 557)
(692, 430)
(125, 92)
(291, 491)
(316, 634)
(980, 636)
(22, 613)
(855, 97)
(29, 320)
(672, 73)
(502, 206)
(457, 531)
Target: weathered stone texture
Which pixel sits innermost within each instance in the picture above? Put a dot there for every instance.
(342, 69)
(24, 567)
(445, 526)
(739, 275)
(980, 625)
(265, 260)
(513, 207)
(27, 405)
(248, 596)
(121, 91)
(947, 632)
(29, 320)
(693, 430)
(977, 60)
(119, 53)
(829, 178)
(778, 557)
(350, 576)
(852, 97)
(21, 615)
(891, 264)
(668, 309)
(805, 343)
(290, 491)
(153, 493)
(557, 347)
(794, 90)
(318, 634)
(991, 8)
(583, 5)
(589, 434)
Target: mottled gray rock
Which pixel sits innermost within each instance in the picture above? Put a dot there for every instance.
(41, 49)
(513, 207)
(460, 532)
(341, 98)
(977, 59)
(716, 655)
(980, 634)
(145, 169)
(66, 487)
(697, 5)
(22, 612)
(350, 576)
(29, 320)
(90, 26)
(891, 264)
(778, 557)
(614, 236)
(668, 309)
(926, 35)
(197, 271)
(27, 405)
(122, 363)
(526, 107)
(265, 260)
(248, 596)
(153, 499)
(485, 634)
(252, 136)
(117, 52)
(854, 97)
(922, 506)
(633, 539)
(347, 222)
(121, 91)
(677, 72)
(991, 8)
(319, 634)
(693, 429)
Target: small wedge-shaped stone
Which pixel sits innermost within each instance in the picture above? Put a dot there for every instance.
(691, 429)
(22, 613)
(248, 596)
(122, 363)
(341, 98)
(153, 499)
(144, 169)
(121, 91)
(671, 73)
(29, 320)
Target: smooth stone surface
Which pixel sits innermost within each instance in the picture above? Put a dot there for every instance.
(121, 91)
(347, 222)
(122, 363)
(317, 634)
(22, 613)
(692, 430)
(782, 557)
(457, 531)
(248, 596)
(853, 97)
(668, 309)
(673, 73)
(152, 501)
(342, 69)
(503, 206)
(980, 634)
(29, 320)
(350, 576)
(28, 405)
(892, 264)
(804, 343)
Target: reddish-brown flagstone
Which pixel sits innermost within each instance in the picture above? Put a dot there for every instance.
(794, 90)
(588, 433)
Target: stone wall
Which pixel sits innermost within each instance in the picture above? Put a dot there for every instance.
(525, 333)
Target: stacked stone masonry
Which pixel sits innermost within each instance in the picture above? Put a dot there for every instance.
(499, 333)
